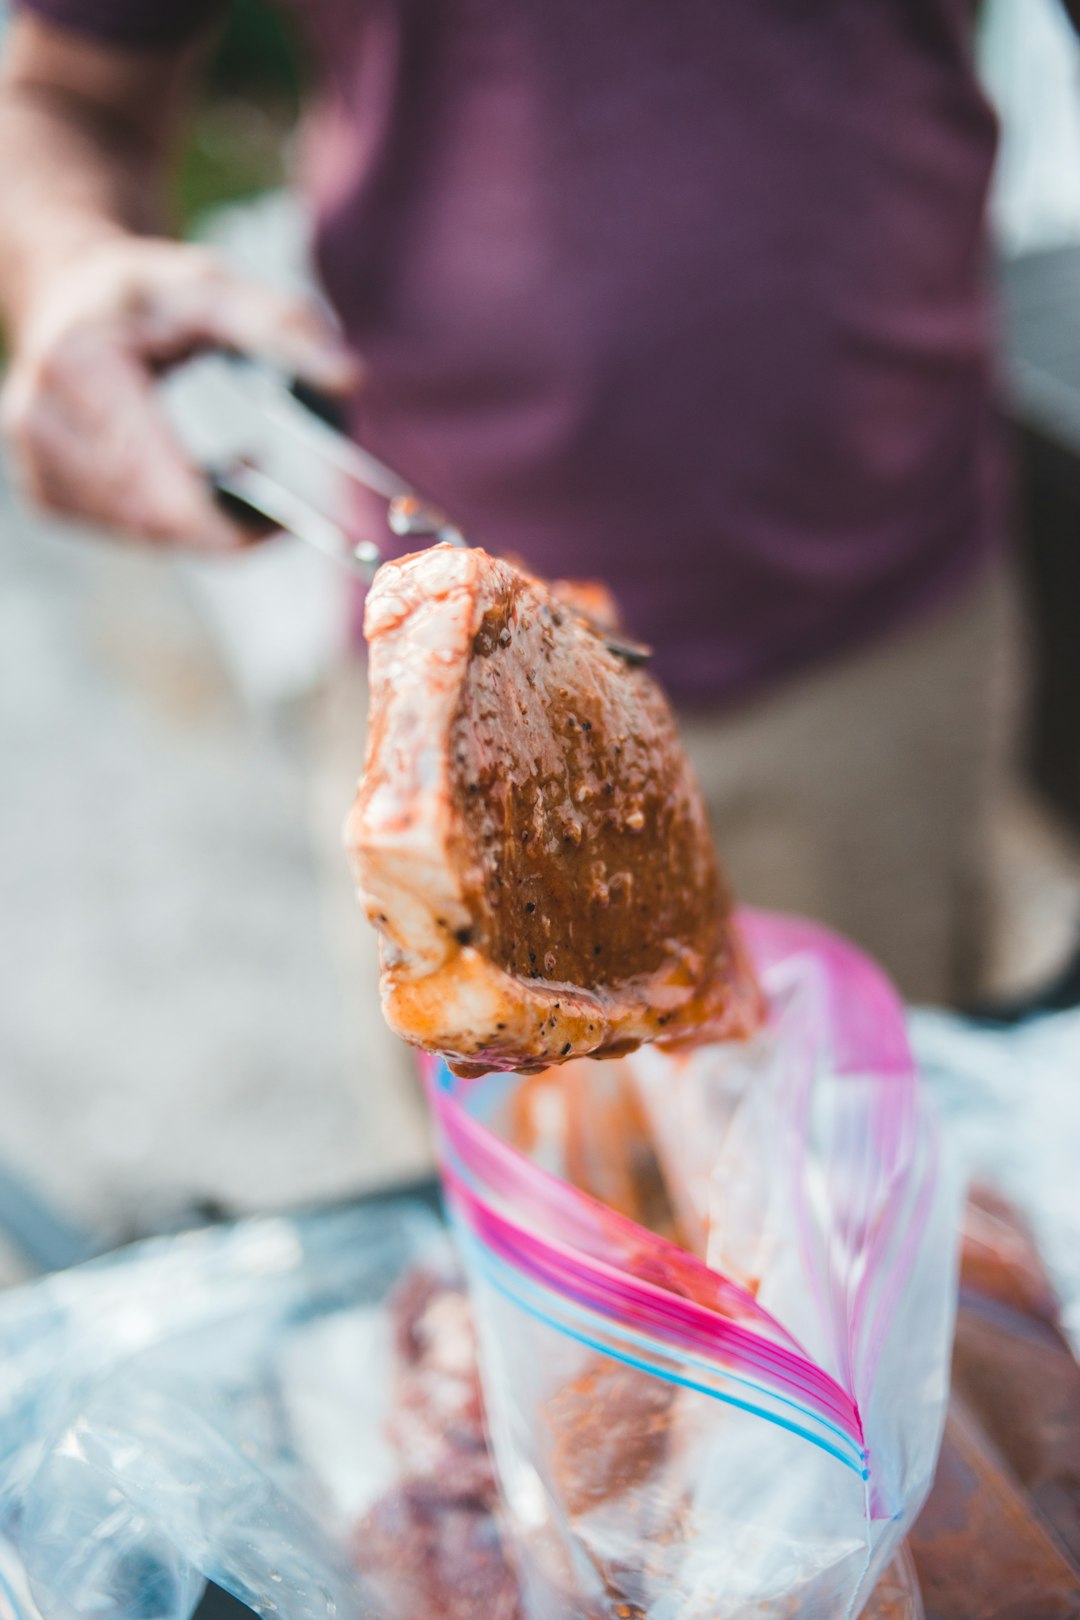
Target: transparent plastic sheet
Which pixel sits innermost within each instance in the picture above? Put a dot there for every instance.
(212, 1406)
(897, 1595)
(750, 1428)
(1011, 1106)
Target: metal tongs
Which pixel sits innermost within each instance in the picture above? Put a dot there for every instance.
(277, 459)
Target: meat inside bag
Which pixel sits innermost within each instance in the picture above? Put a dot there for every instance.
(714, 1293)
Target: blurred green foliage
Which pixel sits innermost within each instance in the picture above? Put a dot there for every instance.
(253, 87)
(259, 51)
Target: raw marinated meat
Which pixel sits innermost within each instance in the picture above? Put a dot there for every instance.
(428, 1553)
(432, 1544)
(896, 1595)
(981, 1551)
(528, 836)
(1013, 1366)
(611, 1429)
(437, 1423)
(999, 1536)
(590, 1122)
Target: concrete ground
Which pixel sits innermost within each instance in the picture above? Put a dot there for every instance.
(177, 1020)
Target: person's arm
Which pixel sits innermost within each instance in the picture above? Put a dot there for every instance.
(94, 303)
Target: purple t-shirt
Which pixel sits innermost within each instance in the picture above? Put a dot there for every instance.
(686, 294)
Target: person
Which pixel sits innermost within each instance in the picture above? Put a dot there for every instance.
(691, 297)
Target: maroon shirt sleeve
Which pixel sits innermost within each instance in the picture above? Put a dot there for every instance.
(133, 24)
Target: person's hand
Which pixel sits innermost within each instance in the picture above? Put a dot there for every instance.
(89, 437)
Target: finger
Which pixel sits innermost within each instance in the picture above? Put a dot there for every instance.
(194, 298)
(105, 454)
(291, 333)
(155, 500)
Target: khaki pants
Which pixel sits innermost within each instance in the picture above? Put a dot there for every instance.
(861, 794)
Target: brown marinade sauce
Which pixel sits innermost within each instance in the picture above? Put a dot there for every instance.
(582, 842)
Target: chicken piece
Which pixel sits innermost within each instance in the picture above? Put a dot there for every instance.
(528, 836)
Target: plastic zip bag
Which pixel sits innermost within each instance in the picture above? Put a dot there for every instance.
(291, 1407)
(751, 1428)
